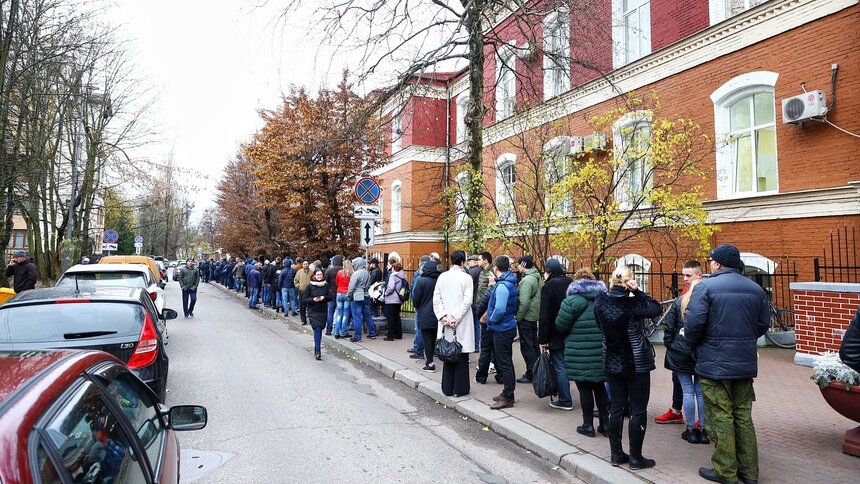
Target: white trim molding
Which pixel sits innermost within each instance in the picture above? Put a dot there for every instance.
(825, 202)
(760, 262)
(411, 236)
(634, 259)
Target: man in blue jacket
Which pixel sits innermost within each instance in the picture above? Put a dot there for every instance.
(727, 313)
(502, 324)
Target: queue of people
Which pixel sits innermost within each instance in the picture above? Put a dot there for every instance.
(593, 332)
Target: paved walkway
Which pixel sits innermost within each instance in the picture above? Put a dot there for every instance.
(799, 435)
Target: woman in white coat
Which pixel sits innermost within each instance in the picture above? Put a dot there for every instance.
(452, 304)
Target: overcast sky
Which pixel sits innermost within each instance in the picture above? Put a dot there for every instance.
(216, 63)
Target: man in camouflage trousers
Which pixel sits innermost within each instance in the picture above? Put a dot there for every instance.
(726, 315)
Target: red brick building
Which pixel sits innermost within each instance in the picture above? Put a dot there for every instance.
(776, 190)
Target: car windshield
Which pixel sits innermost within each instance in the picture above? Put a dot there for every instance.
(72, 321)
(101, 279)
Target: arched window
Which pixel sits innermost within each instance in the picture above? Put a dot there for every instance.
(462, 107)
(396, 205)
(506, 179)
(556, 58)
(557, 166)
(745, 125)
(563, 261)
(460, 202)
(632, 147)
(640, 266)
(506, 82)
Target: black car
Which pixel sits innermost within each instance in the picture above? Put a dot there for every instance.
(121, 321)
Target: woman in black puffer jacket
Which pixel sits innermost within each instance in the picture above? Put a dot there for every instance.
(316, 298)
(628, 359)
(680, 358)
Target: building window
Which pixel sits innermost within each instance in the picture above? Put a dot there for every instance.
(562, 261)
(745, 124)
(723, 9)
(18, 239)
(506, 83)
(396, 132)
(506, 179)
(640, 266)
(632, 142)
(557, 166)
(462, 108)
(631, 30)
(460, 202)
(396, 206)
(556, 59)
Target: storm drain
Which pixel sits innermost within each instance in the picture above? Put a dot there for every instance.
(195, 464)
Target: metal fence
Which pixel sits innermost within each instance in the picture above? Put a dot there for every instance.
(839, 263)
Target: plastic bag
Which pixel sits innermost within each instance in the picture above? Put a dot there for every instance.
(543, 376)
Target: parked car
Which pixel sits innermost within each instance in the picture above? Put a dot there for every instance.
(134, 259)
(121, 321)
(126, 275)
(82, 416)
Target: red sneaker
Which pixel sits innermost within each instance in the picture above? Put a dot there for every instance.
(670, 417)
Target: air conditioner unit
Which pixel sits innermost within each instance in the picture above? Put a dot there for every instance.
(803, 107)
(595, 142)
(577, 145)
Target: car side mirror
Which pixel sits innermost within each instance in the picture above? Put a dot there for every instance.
(168, 313)
(187, 417)
(162, 284)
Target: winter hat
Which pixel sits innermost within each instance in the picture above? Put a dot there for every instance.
(526, 261)
(728, 255)
(553, 266)
(19, 253)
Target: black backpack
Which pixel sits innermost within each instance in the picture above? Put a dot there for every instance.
(405, 291)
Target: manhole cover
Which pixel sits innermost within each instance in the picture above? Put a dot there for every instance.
(195, 464)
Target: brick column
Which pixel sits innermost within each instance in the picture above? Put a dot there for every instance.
(822, 313)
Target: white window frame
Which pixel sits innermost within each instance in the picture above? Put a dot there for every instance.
(635, 260)
(462, 107)
(556, 68)
(553, 150)
(731, 91)
(719, 9)
(396, 207)
(506, 67)
(505, 194)
(623, 191)
(460, 201)
(620, 54)
(396, 132)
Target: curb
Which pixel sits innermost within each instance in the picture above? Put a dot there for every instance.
(572, 459)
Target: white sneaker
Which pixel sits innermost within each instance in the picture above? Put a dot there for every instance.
(492, 368)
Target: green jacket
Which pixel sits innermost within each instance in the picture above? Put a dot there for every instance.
(583, 345)
(529, 289)
(189, 279)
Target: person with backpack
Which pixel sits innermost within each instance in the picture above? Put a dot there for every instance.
(396, 293)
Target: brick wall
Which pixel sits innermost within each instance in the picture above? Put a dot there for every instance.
(823, 311)
(672, 21)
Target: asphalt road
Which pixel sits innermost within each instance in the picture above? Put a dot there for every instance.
(284, 417)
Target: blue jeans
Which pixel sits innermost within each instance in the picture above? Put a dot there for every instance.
(277, 298)
(290, 297)
(252, 300)
(561, 381)
(361, 316)
(693, 399)
(329, 322)
(240, 284)
(317, 338)
(342, 315)
(266, 295)
(418, 343)
(186, 295)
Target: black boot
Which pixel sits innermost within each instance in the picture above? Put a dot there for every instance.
(703, 437)
(603, 428)
(317, 354)
(638, 424)
(616, 426)
(586, 430)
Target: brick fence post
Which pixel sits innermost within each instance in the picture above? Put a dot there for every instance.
(822, 313)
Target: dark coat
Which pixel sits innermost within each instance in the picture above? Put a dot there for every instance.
(680, 354)
(317, 311)
(25, 276)
(726, 315)
(552, 294)
(576, 324)
(255, 279)
(849, 351)
(422, 296)
(622, 320)
(331, 274)
(286, 278)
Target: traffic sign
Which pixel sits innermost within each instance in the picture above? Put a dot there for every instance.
(110, 236)
(366, 234)
(138, 244)
(109, 247)
(138, 239)
(367, 212)
(367, 190)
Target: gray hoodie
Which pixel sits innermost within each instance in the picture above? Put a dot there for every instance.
(360, 280)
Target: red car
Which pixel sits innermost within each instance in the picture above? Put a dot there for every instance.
(82, 416)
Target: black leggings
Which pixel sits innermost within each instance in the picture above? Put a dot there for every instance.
(589, 392)
(634, 388)
(429, 337)
(395, 324)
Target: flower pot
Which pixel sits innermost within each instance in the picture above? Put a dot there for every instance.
(847, 403)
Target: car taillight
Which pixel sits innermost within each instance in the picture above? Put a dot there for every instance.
(70, 301)
(153, 296)
(147, 346)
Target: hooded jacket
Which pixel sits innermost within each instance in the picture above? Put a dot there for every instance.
(396, 281)
(331, 274)
(422, 296)
(360, 280)
(189, 278)
(583, 340)
(529, 289)
(288, 274)
(502, 307)
(621, 318)
(255, 278)
(25, 275)
(552, 294)
(726, 315)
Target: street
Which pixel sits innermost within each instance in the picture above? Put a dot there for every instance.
(289, 418)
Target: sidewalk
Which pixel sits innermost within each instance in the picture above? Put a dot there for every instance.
(799, 435)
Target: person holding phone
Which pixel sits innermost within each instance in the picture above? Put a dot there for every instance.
(316, 298)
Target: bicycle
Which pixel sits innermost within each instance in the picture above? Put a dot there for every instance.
(779, 324)
(658, 322)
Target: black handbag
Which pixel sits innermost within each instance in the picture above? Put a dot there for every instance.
(448, 351)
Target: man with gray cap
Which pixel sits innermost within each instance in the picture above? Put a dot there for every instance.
(24, 271)
(726, 315)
